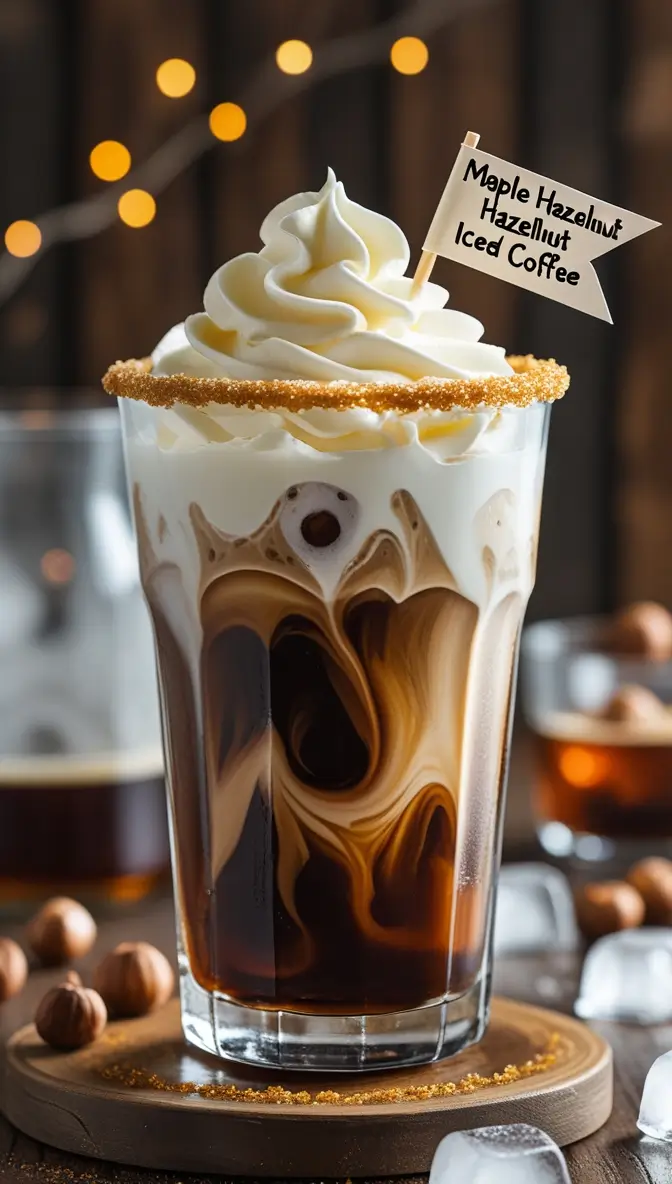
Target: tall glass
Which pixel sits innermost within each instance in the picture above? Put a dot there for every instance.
(82, 805)
(336, 637)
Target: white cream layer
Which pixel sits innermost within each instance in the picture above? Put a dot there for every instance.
(327, 298)
(444, 434)
(480, 499)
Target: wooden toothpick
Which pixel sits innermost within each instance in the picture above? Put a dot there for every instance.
(428, 258)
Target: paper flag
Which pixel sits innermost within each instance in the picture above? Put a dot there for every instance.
(529, 230)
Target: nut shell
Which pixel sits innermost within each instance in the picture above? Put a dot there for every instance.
(644, 630)
(653, 880)
(70, 1016)
(134, 979)
(62, 930)
(13, 968)
(608, 906)
(634, 704)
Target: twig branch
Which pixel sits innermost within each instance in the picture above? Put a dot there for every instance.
(267, 89)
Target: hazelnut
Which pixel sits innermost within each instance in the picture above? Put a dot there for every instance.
(62, 930)
(653, 880)
(644, 630)
(70, 1016)
(605, 907)
(13, 968)
(134, 978)
(633, 704)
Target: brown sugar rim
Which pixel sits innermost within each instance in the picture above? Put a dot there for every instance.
(533, 381)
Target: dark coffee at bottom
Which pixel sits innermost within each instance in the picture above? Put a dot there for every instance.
(334, 848)
(93, 828)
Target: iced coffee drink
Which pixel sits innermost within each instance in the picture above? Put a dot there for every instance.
(337, 493)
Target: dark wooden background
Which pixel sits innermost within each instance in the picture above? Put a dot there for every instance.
(579, 89)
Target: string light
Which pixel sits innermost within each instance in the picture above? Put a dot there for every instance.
(409, 55)
(110, 160)
(294, 57)
(175, 78)
(136, 207)
(72, 221)
(23, 238)
(228, 121)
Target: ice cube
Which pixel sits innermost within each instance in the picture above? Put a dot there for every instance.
(628, 977)
(517, 1154)
(534, 910)
(655, 1112)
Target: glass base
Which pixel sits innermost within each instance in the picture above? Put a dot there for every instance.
(337, 1043)
(580, 848)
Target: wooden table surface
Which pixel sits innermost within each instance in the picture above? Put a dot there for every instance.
(617, 1154)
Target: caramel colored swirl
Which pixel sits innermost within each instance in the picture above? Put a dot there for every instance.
(335, 729)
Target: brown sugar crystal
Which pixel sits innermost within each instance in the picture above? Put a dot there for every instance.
(533, 381)
(276, 1095)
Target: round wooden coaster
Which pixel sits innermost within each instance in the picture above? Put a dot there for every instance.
(70, 1101)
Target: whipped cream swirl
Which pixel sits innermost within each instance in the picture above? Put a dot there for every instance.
(326, 299)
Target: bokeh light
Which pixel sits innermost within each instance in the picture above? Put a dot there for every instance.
(57, 566)
(110, 160)
(409, 55)
(36, 420)
(136, 207)
(584, 768)
(23, 238)
(175, 78)
(228, 121)
(294, 57)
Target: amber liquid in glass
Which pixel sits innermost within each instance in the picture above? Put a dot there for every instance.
(617, 790)
(100, 833)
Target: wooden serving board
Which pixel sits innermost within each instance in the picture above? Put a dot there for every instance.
(65, 1099)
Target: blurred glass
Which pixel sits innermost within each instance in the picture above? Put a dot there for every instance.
(603, 784)
(82, 805)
